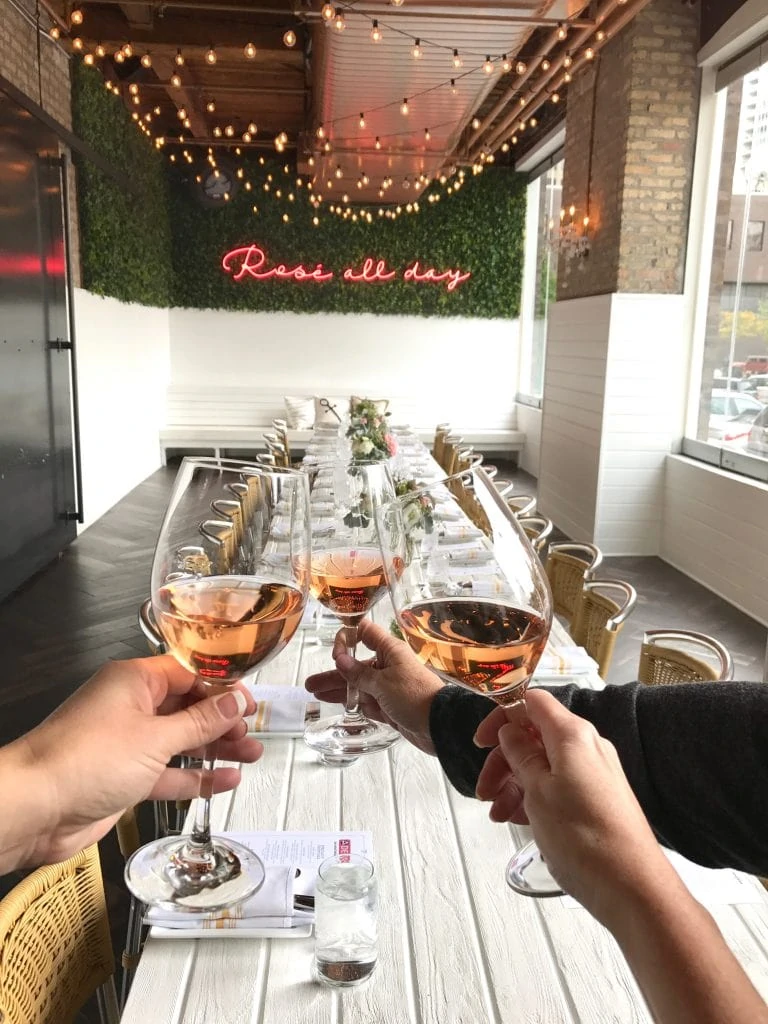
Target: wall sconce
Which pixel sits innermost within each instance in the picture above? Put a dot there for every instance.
(571, 236)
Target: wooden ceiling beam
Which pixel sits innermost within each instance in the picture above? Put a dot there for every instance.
(194, 32)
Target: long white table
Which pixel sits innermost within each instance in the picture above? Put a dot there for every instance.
(457, 946)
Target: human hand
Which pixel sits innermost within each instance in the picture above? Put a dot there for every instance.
(394, 688)
(108, 747)
(553, 770)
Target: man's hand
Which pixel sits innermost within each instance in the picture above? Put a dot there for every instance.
(394, 688)
(108, 747)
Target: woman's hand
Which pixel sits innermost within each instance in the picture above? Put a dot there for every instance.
(554, 771)
(394, 687)
(108, 747)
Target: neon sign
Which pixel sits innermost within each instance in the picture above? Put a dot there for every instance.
(250, 262)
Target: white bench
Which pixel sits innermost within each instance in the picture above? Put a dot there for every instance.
(223, 418)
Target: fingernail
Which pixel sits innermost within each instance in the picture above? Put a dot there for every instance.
(232, 704)
(475, 741)
(344, 662)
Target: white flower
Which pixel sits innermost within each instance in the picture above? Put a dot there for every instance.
(362, 446)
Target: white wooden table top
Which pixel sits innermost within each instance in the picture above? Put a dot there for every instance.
(456, 945)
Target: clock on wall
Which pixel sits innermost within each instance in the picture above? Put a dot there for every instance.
(216, 184)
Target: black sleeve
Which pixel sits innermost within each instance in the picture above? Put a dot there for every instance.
(695, 754)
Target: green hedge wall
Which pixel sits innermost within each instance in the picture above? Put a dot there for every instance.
(125, 238)
(166, 247)
(479, 229)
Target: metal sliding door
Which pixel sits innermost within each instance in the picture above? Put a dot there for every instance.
(38, 500)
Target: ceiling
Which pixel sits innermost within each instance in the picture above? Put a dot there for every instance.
(212, 71)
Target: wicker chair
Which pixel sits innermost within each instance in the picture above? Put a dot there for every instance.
(568, 567)
(599, 619)
(55, 945)
(438, 446)
(521, 504)
(660, 663)
(537, 529)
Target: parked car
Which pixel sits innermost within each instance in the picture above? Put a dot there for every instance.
(731, 415)
(750, 385)
(756, 364)
(757, 440)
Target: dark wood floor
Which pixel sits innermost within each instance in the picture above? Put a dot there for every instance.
(81, 611)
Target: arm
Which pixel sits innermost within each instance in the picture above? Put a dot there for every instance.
(66, 782)
(597, 843)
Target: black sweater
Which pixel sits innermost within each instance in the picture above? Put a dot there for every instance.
(696, 756)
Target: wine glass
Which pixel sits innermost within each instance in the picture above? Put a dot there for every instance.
(473, 602)
(346, 576)
(228, 592)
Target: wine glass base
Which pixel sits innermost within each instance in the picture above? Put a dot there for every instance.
(528, 874)
(157, 875)
(341, 740)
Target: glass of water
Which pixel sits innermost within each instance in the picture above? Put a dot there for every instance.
(345, 921)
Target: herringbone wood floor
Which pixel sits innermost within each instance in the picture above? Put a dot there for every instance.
(80, 611)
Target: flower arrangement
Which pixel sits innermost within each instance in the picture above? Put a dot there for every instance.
(418, 510)
(368, 432)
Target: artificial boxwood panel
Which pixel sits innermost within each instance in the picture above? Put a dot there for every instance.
(479, 229)
(125, 238)
(164, 248)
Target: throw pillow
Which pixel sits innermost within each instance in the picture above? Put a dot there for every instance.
(299, 412)
(327, 410)
(381, 404)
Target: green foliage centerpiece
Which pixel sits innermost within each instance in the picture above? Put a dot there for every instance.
(368, 431)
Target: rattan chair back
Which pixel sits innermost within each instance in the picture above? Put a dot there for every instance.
(438, 446)
(599, 618)
(662, 664)
(521, 504)
(55, 947)
(568, 567)
(538, 530)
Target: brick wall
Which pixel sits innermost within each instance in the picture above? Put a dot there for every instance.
(47, 84)
(637, 110)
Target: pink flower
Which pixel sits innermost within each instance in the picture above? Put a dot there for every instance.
(391, 444)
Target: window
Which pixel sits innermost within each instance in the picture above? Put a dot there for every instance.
(544, 201)
(755, 235)
(736, 342)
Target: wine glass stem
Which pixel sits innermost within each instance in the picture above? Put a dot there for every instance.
(351, 704)
(199, 846)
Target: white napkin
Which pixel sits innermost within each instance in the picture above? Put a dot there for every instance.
(564, 661)
(455, 533)
(286, 710)
(271, 908)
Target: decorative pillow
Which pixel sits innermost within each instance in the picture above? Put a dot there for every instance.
(381, 404)
(328, 410)
(299, 412)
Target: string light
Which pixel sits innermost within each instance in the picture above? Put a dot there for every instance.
(376, 35)
(327, 12)
(589, 53)
(55, 32)
(338, 172)
(178, 60)
(404, 108)
(120, 57)
(250, 51)
(252, 128)
(146, 60)
(76, 17)
(555, 97)
(600, 35)
(567, 76)
(427, 135)
(210, 106)
(77, 43)
(89, 59)
(289, 38)
(521, 67)
(562, 31)
(176, 81)
(210, 56)
(506, 64)
(416, 50)
(127, 51)
(475, 122)
(338, 20)
(361, 122)
(457, 61)
(488, 66)
(133, 89)
(454, 90)
(545, 65)
(567, 60)
(229, 131)
(100, 51)
(377, 143)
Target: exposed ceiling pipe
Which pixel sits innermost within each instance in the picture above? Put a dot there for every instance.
(542, 93)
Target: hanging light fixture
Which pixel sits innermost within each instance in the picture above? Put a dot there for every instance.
(327, 12)
(488, 66)
(289, 38)
(457, 61)
(376, 32)
(76, 17)
(249, 50)
(338, 21)
(416, 50)
(404, 108)
(176, 81)
(210, 56)
(146, 60)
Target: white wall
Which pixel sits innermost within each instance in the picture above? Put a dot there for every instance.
(716, 531)
(123, 374)
(529, 421)
(460, 370)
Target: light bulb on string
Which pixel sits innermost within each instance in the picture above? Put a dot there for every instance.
(475, 123)
(600, 35)
(178, 60)
(562, 31)
(506, 64)
(361, 122)
(338, 172)
(229, 131)
(521, 67)
(54, 32)
(416, 50)
(404, 108)
(210, 106)
(454, 90)
(365, 179)
(77, 43)
(127, 50)
(311, 161)
(289, 38)
(133, 89)
(146, 60)
(377, 143)
(100, 50)
(376, 34)
(249, 50)
(545, 65)
(327, 12)
(89, 59)
(533, 122)
(457, 61)
(181, 113)
(210, 56)
(217, 132)
(327, 146)
(247, 136)
(505, 147)
(76, 17)
(157, 111)
(589, 53)
(567, 77)
(488, 66)
(176, 81)
(252, 128)
(427, 135)
(338, 20)
(567, 60)
(137, 100)
(555, 97)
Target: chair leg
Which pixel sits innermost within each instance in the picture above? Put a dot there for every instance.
(106, 996)
(132, 951)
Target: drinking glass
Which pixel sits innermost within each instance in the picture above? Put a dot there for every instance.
(346, 576)
(228, 591)
(473, 602)
(345, 921)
